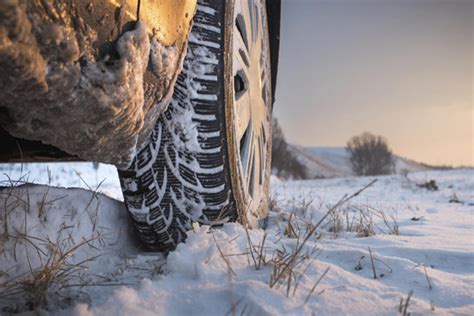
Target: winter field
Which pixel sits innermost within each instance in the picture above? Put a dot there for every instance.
(393, 248)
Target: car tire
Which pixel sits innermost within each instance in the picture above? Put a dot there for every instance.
(207, 159)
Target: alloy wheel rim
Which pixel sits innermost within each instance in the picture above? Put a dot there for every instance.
(251, 99)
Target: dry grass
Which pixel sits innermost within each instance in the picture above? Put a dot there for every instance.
(403, 306)
(226, 260)
(364, 220)
(351, 219)
(428, 279)
(390, 222)
(372, 263)
(290, 230)
(55, 273)
(316, 284)
(288, 266)
(359, 219)
(47, 270)
(257, 253)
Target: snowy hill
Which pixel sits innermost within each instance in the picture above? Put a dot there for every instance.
(331, 162)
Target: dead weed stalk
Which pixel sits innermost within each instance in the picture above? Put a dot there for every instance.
(54, 273)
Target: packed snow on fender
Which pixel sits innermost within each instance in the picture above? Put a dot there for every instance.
(396, 247)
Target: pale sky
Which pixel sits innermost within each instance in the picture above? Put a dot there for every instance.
(398, 68)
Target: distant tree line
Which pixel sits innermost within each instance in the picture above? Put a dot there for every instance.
(284, 162)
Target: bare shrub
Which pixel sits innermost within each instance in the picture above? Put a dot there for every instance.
(370, 155)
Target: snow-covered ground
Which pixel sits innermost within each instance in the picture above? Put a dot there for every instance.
(86, 175)
(419, 240)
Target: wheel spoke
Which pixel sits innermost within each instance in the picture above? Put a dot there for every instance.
(250, 174)
(243, 114)
(247, 153)
(241, 56)
(256, 166)
(263, 155)
(255, 24)
(248, 13)
(242, 63)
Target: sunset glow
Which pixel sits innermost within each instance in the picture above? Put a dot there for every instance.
(401, 69)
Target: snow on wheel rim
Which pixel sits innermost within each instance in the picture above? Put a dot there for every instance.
(249, 104)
